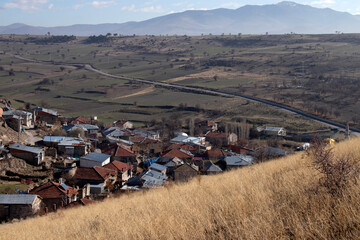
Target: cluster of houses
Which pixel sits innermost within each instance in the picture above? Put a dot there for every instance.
(90, 163)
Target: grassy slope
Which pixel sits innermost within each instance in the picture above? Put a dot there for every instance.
(274, 200)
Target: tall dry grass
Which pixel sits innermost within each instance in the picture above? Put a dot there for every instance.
(273, 200)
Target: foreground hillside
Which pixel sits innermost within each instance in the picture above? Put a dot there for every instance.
(273, 200)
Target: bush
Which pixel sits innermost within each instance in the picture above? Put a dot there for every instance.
(337, 172)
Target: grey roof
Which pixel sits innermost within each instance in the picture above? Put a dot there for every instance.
(70, 141)
(152, 178)
(17, 198)
(96, 157)
(16, 112)
(84, 127)
(211, 167)
(54, 139)
(26, 148)
(41, 109)
(158, 167)
(273, 129)
(239, 160)
(174, 162)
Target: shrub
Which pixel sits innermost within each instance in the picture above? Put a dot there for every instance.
(338, 172)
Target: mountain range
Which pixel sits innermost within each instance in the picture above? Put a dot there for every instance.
(283, 17)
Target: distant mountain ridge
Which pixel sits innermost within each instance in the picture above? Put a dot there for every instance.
(284, 17)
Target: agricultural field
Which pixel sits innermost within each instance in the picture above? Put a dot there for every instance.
(315, 73)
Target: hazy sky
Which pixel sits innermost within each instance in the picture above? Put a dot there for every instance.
(67, 12)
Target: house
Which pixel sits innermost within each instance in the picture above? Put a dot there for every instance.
(95, 176)
(215, 154)
(183, 138)
(79, 120)
(94, 159)
(238, 160)
(90, 131)
(207, 126)
(185, 172)
(124, 170)
(173, 164)
(31, 155)
(72, 146)
(124, 154)
(19, 206)
(146, 145)
(123, 124)
(158, 168)
(220, 139)
(46, 115)
(13, 116)
(179, 153)
(116, 134)
(274, 131)
(211, 168)
(153, 179)
(145, 133)
(55, 195)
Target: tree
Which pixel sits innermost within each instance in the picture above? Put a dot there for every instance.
(77, 132)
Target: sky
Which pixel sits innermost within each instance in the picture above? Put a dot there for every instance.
(67, 12)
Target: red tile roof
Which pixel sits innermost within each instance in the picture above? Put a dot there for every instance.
(94, 174)
(216, 135)
(53, 190)
(109, 149)
(80, 120)
(216, 153)
(124, 151)
(105, 173)
(88, 174)
(119, 166)
(179, 153)
(185, 147)
(207, 123)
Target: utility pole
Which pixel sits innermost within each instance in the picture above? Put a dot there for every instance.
(19, 128)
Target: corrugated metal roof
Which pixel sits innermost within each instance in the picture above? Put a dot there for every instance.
(54, 139)
(17, 198)
(16, 112)
(96, 157)
(239, 160)
(158, 167)
(273, 129)
(40, 109)
(26, 148)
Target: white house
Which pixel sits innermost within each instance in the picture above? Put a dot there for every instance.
(94, 159)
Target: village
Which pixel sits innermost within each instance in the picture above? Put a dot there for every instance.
(64, 162)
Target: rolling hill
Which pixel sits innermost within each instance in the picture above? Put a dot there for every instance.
(273, 200)
(284, 17)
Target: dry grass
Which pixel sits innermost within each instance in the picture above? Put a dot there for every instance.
(273, 200)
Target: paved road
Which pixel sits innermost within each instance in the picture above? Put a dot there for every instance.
(283, 107)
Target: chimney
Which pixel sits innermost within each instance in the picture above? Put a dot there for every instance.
(60, 180)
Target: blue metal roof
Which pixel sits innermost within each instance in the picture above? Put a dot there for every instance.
(64, 186)
(96, 157)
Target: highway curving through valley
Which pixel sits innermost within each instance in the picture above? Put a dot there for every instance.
(203, 90)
